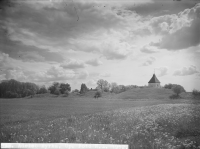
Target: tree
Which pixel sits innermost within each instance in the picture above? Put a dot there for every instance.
(64, 87)
(177, 89)
(196, 93)
(122, 88)
(42, 90)
(83, 89)
(13, 89)
(57, 92)
(75, 91)
(55, 86)
(113, 86)
(103, 85)
(170, 86)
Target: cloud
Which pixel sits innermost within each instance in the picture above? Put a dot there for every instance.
(82, 75)
(92, 83)
(7, 63)
(94, 62)
(104, 75)
(31, 56)
(186, 71)
(73, 64)
(56, 73)
(148, 49)
(20, 51)
(116, 50)
(53, 25)
(162, 71)
(185, 33)
(149, 61)
(161, 7)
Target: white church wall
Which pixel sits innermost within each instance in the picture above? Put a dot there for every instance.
(154, 85)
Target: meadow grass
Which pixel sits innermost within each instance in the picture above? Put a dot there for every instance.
(153, 127)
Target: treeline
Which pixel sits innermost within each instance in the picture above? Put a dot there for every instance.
(15, 89)
(113, 87)
(60, 88)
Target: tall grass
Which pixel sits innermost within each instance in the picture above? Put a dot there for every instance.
(161, 126)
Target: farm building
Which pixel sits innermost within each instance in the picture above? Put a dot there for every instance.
(154, 82)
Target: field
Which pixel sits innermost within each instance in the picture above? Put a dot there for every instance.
(144, 123)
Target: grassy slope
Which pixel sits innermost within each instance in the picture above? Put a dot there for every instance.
(147, 93)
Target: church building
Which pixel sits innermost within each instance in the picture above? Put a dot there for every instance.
(154, 82)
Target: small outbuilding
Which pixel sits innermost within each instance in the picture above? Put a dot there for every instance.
(154, 82)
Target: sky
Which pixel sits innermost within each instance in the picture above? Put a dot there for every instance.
(82, 41)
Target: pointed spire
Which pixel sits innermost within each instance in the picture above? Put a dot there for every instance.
(154, 79)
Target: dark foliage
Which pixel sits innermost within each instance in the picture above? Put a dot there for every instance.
(42, 90)
(15, 89)
(177, 89)
(170, 86)
(196, 94)
(54, 87)
(97, 94)
(64, 87)
(83, 89)
(57, 88)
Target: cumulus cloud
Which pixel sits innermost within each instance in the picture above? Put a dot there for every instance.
(149, 61)
(104, 75)
(73, 64)
(7, 63)
(184, 32)
(186, 71)
(56, 73)
(82, 75)
(116, 50)
(94, 62)
(92, 83)
(162, 71)
(148, 49)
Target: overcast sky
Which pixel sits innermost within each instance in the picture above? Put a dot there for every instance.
(82, 41)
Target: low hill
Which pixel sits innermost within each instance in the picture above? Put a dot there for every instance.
(136, 93)
(145, 93)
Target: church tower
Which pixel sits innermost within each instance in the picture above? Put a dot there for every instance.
(154, 82)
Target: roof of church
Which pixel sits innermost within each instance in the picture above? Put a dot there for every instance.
(154, 79)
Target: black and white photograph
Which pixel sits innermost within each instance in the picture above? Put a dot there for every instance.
(120, 74)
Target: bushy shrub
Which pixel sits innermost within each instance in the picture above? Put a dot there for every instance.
(196, 93)
(66, 94)
(177, 89)
(97, 94)
(171, 86)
